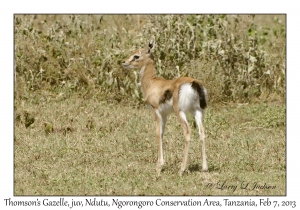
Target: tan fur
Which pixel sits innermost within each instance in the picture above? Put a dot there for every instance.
(154, 93)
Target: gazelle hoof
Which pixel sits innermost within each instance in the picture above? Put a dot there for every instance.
(180, 172)
(158, 170)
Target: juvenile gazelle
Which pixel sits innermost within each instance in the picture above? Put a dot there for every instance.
(182, 95)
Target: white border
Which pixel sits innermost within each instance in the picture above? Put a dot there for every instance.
(154, 6)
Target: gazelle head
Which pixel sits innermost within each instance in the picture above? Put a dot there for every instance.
(141, 57)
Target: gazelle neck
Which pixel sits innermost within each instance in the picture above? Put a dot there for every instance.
(147, 75)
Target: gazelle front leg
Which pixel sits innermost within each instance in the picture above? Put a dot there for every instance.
(160, 127)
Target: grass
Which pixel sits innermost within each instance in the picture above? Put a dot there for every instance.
(80, 128)
(101, 148)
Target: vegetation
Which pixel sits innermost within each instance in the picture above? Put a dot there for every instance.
(63, 54)
(81, 127)
(117, 155)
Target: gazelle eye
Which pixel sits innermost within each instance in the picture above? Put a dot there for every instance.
(136, 57)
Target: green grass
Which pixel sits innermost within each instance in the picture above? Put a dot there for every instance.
(117, 154)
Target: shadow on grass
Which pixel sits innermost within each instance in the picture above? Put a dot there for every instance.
(192, 168)
(197, 168)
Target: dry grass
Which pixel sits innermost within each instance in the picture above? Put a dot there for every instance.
(80, 128)
(117, 155)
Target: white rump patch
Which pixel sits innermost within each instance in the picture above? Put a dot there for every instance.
(188, 98)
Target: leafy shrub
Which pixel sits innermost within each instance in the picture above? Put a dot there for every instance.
(66, 54)
(238, 60)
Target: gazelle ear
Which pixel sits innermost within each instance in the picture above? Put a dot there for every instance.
(151, 44)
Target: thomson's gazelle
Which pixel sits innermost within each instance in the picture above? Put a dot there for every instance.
(182, 95)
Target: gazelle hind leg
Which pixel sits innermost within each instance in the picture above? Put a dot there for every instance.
(160, 127)
(187, 133)
(198, 119)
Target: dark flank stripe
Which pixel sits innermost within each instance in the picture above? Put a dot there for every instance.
(166, 96)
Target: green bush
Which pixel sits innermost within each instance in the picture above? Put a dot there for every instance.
(235, 58)
(67, 54)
